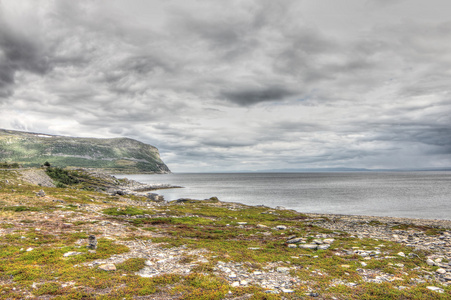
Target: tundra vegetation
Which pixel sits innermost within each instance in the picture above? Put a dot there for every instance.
(44, 253)
(115, 155)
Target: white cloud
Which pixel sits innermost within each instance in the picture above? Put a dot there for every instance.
(236, 85)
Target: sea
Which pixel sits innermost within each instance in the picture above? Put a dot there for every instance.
(425, 195)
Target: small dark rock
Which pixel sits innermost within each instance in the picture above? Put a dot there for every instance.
(314, 295)
(92, 242)
(182, 200)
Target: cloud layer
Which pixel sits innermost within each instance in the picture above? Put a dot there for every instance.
(236, 85)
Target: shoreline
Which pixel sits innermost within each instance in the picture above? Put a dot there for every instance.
(385, 219)
(413, 197)
(133, 187)
(243, 248)
(139, 188)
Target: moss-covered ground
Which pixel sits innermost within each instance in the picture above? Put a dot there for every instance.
(36, 233)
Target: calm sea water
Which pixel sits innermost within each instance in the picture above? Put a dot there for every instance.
(398, 194)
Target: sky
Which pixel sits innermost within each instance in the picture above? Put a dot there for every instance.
(236, 85)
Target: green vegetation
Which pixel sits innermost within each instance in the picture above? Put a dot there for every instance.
(117, 155)
(6, 165)
(37, 234)
(61, 176)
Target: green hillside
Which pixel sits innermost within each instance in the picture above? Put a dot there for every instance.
(116, 155)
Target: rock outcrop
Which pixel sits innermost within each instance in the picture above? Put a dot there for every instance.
(121, 155)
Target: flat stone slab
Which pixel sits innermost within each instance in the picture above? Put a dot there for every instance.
(108, 267)
(308, 246)
(72, 253)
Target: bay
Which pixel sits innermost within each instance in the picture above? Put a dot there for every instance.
(396, 194)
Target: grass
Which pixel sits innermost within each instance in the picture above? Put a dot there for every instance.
(34, 239)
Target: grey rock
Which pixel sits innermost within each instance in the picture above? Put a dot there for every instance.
(295, 241)
(156, 197)
(92, 242)
(323, 247)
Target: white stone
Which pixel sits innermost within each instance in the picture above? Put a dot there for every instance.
(308, 246)
(71, 253)
(441, 271)
(283, 270)
(401, 254)
(292, 246)
(281, 227)
(323, 247)
(257, 273)
(430, 262)
(435, 289)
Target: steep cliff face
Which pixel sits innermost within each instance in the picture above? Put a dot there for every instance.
(117, 154)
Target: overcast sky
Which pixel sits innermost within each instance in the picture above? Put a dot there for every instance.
(236, 85)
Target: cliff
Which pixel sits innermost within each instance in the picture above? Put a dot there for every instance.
(115, 155)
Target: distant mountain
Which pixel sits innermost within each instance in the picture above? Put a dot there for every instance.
(116, 155)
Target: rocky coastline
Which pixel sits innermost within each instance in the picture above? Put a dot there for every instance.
(325, 256)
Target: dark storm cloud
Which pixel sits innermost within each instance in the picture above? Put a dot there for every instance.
(431, 134)
(237, 84)
(248, 96)
(19, 52)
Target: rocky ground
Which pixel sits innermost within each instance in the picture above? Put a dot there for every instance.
(233, 251)
(37, 177)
